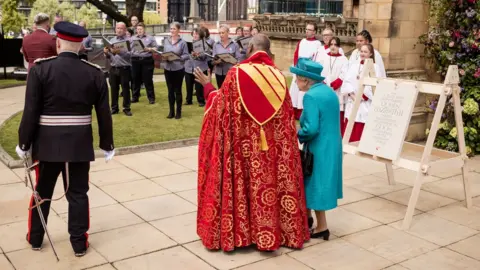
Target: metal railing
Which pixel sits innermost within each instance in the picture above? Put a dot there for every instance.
(303, 7)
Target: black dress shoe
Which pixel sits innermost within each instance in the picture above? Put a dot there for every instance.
(81, 253)
(325, 234)
(188, 103)
(134, 100)
(152, 102)
(128, 113)
(171, 115)
(34, 247)
(114, 112)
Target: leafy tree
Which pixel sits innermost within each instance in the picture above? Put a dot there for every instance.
(454, 39)
(90, 15)
(49, 7)
(151, 18)
(12, 20)
(133, 7)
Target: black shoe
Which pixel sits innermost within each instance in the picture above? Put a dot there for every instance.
(114, 112)
(310, 222)
(34, 247)
(171, 115)
(152, 102)
(201, 105)
(128, 113)
(135, 100)
(81, 253)
(325, 234)
(188, 103)
(178, 115)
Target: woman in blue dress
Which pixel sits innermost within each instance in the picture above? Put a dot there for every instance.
(320, 130)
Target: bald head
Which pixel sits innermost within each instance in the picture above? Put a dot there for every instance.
(259, 42)
(120, 29)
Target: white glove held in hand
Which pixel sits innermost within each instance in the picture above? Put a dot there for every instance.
(109, 155)
(22, 154)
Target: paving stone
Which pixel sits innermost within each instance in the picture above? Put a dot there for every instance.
(27, 259)
(460, 214)
(351, 195)
(283, 262)
(109, 217)
(178, 182)
(135, 190)
(228, 260)
(378, 209)
(14, 203)
(189, 195)
(453, 187)
(178, 153)
(114, 176)
(5, 264)
(343, 222)
(129, 242)
(389, 243)
(426, 201)
(442, 259)
(406, 177)
(8, 177)
(468, 247)
(436, 230)
(182, 229)
(191, 163)
(160, 207)
(373, 185)
(172, 258)
(340, 255)
(151, 165)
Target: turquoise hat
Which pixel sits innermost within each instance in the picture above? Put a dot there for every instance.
(308, 69)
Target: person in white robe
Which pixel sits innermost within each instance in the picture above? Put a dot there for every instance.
(322, 52)
(363, 38)
(306, 48)
(350, 87)
(335, 67)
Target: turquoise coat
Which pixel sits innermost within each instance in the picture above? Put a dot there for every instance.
(320, 128)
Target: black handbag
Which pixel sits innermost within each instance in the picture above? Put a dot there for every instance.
(307, 160)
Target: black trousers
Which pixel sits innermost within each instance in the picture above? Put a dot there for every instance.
(220, 79)
(120, 76)
(190, 82)
(174, 81)
(78, 208)
(142, 70)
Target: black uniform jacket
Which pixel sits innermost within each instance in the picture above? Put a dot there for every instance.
(65, 86)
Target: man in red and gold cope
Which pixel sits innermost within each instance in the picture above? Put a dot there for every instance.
(250, 181)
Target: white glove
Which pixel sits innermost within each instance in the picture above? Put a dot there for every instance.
(22, 154)
(109, 155)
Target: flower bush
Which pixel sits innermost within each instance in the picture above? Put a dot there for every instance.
(454, 39)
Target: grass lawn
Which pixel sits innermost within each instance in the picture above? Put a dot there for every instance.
(147, 125)
(10, 83)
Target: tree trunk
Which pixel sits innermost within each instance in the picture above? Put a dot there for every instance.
(135, 8)
(109, 8)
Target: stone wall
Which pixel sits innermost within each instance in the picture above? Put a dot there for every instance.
(395, 26)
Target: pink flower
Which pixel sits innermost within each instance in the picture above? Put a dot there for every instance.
(462, 72)
(471, 1)
(477, 74)
(451, 44)
(456, 34)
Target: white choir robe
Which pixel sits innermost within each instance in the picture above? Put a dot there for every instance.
(306, 48)
(355, 57)
(351, 85)
(323, 52)
(334, 70)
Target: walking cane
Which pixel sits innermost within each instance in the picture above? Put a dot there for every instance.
(38, 201)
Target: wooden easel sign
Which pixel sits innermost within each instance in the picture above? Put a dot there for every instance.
(387, 124)
(388, 119)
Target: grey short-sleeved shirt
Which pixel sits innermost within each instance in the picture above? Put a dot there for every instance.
(232, 48)
(180, 48)
(148, 42)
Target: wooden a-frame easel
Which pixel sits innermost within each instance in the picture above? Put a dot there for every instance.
(408, 159)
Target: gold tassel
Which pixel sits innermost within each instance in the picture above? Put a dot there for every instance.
(263, 140)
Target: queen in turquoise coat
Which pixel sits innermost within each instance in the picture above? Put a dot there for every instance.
(320, 130)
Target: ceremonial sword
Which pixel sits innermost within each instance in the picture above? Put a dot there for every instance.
(38, 200)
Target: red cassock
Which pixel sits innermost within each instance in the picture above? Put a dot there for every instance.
(250, 182)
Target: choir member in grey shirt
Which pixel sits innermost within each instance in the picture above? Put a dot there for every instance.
(225, 45)
(174, 70)
(86, 44)
(120, 70)
(210, 43)
(143, 65)
(196, 60)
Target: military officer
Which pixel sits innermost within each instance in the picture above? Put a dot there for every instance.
(56, 127)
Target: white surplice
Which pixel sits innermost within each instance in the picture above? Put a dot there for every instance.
(335, 67)
(351, 85)
(305, 49)
(355, 58)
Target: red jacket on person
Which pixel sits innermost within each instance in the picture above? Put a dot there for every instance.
(37, 45)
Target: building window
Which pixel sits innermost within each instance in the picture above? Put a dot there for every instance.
(151, 6)
(308, 7)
